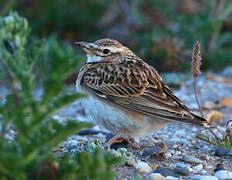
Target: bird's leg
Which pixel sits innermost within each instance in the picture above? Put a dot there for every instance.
(116, 139)
(132, 145)
(119, 139)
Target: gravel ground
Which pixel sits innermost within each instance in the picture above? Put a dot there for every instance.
(185, 156)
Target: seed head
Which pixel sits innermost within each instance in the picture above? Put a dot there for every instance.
(196, 60)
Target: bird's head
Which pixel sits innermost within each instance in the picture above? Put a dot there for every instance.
(103, 49)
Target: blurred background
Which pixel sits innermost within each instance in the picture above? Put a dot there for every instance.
(160, 31)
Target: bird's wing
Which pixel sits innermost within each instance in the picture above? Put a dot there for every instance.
(136, 86)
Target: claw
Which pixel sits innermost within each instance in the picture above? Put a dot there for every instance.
(118, 139)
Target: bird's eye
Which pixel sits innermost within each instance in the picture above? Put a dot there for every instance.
(106, 51)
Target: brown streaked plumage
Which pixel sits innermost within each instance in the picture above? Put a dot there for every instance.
(121, 82)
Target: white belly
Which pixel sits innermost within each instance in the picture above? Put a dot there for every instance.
(105, 115)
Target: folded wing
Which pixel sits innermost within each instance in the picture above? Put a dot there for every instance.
(136, 86)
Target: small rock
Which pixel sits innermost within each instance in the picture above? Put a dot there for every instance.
(143, 167)
(72, 144)
(203, 172)
(191, 159)
(221, 151)
(219, 167)
(198, 168)
(178, 153)
(182, 165)
(115, 153)
(204, 178)
(223, 174)
(130, 161)
(166, 172)
(230, 153)
(204, 157)
(182, 171)
(171, 178)
(206, 148)
(157, 176)
(168, 155)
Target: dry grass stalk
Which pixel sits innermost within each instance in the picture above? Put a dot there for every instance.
(196, 66)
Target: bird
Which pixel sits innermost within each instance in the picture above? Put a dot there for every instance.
(127, 96)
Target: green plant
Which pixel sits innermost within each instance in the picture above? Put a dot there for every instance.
(225, 141)
(28, 132)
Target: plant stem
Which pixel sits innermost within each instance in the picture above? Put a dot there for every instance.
(196, 96)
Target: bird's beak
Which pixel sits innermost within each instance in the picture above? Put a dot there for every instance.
(84, 45)
(87, 47)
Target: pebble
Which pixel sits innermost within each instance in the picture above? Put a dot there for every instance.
(72, 144)
(168, 155)
(206, 148)
(219, 167)
(204, 178)
(182, 165)
(182, 171)
(223, 174)
(203, 172)
(143, 167)
(221, 151)
(166, 172)
(171, 178)
(204, 157)
(157, 176)
(178, 153)
(191, 159)
(198, 168)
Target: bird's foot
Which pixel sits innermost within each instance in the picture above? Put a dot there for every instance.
(119, 139)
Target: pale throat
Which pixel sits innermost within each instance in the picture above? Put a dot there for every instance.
(93, 58)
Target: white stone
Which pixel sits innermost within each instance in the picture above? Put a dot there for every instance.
(143, 167)
(223, 174)
(157, 176)
(178, 153)
(171, 178)
(205, 178)
(168, 155)
(198, 168)
(203, 172)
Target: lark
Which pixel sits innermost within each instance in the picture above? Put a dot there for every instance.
(126, 95)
